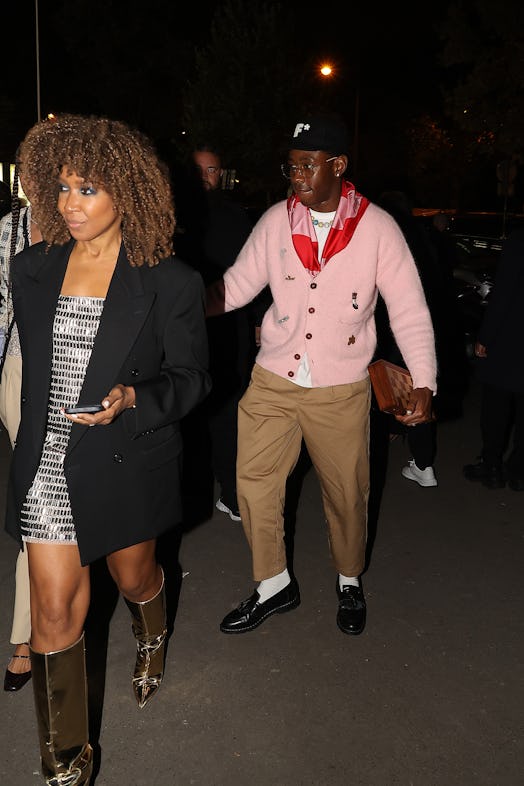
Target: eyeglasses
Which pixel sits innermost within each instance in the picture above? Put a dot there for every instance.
(304, 170)
(211, 170)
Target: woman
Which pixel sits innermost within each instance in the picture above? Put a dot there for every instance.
(18, 230)
(105, 317)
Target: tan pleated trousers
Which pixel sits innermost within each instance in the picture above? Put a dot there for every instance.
(273, 417)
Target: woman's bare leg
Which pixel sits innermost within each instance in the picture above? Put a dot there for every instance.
(136, 572)
(141, 580)
(60, 590)
(19, 663)
(21, 628)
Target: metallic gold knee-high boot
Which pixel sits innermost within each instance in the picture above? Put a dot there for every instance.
(149, 628)
(60, 690)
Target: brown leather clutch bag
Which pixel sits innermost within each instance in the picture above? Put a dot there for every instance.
(392, 386)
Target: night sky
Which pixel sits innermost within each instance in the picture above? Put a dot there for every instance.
(132, 60)
(100, 57)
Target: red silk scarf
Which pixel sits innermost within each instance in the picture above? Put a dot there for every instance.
(351, 208)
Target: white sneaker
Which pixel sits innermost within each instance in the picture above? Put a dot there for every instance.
(424, 477)
(233, 514)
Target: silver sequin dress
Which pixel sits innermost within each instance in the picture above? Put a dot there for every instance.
(46, 513)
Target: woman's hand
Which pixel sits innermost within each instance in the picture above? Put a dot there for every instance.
(418, 409)
(119, 398)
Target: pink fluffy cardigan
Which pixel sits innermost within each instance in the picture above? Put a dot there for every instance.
(331, 316)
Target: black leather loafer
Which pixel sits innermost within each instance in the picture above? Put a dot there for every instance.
(14, 681)
(251, 613)
(351, 616)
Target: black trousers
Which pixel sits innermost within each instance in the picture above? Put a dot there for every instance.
(422, 443)
(501, 416)
(223, 430)
(421, 439)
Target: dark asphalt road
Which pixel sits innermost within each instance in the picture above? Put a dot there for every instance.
(431, 694)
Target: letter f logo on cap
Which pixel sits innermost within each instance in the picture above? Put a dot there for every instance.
(299, 128)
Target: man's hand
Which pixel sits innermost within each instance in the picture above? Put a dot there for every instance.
(419, 408)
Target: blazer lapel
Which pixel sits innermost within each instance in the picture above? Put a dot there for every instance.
(125, 310)
(42, 288)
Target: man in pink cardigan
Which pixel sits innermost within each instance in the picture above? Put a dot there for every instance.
(325, 252)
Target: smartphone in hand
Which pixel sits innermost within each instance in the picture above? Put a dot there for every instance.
(83, 409)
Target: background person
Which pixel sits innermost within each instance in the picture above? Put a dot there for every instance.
(5, 199)
(215, 232)
(502, 375)
(437, 283)
(107, 317)
(325, 252)
(18, 230)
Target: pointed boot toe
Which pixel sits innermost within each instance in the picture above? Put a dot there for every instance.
(145, 688)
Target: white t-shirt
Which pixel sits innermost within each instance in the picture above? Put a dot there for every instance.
(321, 224)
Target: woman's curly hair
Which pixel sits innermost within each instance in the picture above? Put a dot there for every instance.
(113, 156)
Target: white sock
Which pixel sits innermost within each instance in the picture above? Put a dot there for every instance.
(269, 587)
(343, 581)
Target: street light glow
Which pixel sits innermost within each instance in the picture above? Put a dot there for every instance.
(326, 70)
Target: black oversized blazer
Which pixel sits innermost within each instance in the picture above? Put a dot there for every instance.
(123, 479)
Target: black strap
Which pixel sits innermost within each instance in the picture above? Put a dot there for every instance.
(6, 344)
(25, 229)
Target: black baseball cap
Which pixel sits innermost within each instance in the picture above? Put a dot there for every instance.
(320, 132)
